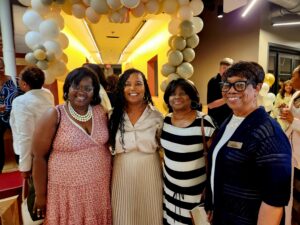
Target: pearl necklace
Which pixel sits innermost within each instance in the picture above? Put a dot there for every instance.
(78, 117)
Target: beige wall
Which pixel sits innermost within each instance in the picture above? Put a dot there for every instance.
(239, 38)
(230, 36)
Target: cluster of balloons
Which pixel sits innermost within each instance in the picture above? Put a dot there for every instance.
(44, 37)
(265, 98)
(47, 42)
(184, 27)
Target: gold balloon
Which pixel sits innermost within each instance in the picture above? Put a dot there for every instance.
(269, 79)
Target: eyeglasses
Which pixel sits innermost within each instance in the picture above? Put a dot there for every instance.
(239, 86)
(86, 89)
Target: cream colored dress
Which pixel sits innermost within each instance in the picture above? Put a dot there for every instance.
(137, 173)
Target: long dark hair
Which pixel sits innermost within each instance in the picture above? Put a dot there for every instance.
(117, 118)
(282, 90)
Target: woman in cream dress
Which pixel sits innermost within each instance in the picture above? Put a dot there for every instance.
(137, 178)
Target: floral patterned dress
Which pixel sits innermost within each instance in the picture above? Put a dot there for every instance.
(79, 173)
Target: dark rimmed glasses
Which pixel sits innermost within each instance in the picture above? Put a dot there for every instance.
(86, 89)
(239, 86)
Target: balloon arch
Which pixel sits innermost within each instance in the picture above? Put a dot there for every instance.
(47, 42)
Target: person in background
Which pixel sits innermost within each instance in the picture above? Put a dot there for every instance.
(112, 81)
(71, 159)
(291, 115)
(27, 109)
(184, 166)
(134, 127)
(282, 100)
(8, 91)
(217, 108)
(250, 158)
(103, 84)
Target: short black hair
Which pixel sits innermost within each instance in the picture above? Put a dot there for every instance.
(252, 71)
(75, 76)
(33, 77)
(188, 88)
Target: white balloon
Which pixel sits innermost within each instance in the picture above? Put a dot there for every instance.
(100, 7)
(46, 2)
(188, 54)
(25, 2)
(87, 2)
(53, 47)
(164, 85)
(116, 17)
(78, 10)
(49, 77)
(43, 65)
(264, 89)
(185, 70)
(63, 40)
(167, 69)
(198, 24)
(33, 38)
(30, 59)
(91, 15)
(139, 11)
(50, 56)
(197, 7)
(131, 4)
(64, 58)
(152, 6)
(173, 26)
(58, 68)
(49, 29)
(175, 58)
(38, 6)
(185, 12)
(75, 1)
(32, 19)
(114, 4)
(186, 28)
(173, 76)
(39, 54)
(183, 2)
(178, 43)
(170, 6)
(271, 97)
(55, 15)
(192, 41)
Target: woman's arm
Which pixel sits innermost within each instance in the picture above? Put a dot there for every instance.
(42, 140)
(269, 215)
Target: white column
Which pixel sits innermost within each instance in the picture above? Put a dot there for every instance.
(7, 39)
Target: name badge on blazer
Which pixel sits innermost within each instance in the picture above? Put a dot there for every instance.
(235, 144)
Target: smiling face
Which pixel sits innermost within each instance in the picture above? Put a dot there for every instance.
(81, 95)
(179, 100)
(134, 89)
(244, 102)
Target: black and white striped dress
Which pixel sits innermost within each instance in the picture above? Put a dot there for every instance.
(184, 168)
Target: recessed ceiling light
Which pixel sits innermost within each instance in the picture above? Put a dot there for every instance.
(286, 24)
(249, 7)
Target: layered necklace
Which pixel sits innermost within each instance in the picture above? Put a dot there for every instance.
(78, 117)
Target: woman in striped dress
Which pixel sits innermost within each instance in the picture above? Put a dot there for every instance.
(184, 163)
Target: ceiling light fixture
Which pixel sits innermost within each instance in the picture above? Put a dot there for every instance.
(249, 7)
(220, 11)
(286, 24)
(93, 40)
